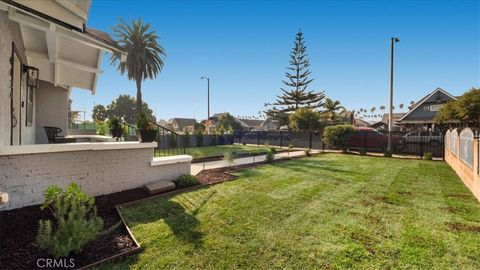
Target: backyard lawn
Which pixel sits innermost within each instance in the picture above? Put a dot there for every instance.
(219, 150)
(330, 211)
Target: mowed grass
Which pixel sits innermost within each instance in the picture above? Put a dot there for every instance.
(219, 150)
(332, 211)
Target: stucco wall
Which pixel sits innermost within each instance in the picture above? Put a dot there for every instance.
(24, 177)
(469, 176)
(51, 109)
(9, 32)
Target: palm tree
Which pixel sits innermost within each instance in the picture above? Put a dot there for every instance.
(332, 109)
(382, 108)
(401, 106)
(411, 104)
(145, 57)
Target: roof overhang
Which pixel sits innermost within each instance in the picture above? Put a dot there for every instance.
(65, 56)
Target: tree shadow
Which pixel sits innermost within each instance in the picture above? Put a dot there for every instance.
(178, 212)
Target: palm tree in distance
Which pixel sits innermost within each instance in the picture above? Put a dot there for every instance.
(332, 109)
(145, 57)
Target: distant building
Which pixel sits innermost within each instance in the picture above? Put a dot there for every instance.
(423, 112)
(383, 124)
(182, 124)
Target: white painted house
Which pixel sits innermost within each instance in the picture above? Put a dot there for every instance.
(46, 49)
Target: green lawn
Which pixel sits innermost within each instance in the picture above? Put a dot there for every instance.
(219, 150)
(328, 212)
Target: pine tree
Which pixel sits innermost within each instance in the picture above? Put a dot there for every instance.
(296, 94)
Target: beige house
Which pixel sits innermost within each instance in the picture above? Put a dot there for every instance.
(46, 49)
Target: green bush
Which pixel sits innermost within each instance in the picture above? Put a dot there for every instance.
(229, 156)
(76, 221)
(427, 155)
(307, 152)
(186, 181)
(387, 153)
(362, 152)
(102, 128)
(270, 156)
(273, 149)
(143, 122)
(338, 136)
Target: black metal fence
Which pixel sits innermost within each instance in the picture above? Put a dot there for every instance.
(297, 139)
(417, 144)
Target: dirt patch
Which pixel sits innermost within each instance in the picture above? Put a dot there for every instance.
(366, 203)
(404, 193)
(460, 227)
(380, 198)
(365, 240)
(18, 229)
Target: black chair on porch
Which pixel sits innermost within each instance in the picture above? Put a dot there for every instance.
(53, 137)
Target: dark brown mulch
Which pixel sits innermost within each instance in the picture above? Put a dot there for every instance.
(18, 229)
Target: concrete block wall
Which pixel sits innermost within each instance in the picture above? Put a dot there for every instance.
(469, 176)
(24, 177)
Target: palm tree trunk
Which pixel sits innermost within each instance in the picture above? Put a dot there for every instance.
(139, 96)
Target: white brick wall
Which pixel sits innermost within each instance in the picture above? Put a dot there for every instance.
(26, 176)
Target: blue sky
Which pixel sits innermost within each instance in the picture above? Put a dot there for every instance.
(244, 46)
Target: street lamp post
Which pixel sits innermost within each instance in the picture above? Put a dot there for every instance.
(390, 115)
(208, 96)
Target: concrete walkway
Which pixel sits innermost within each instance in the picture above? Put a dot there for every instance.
(198, 167)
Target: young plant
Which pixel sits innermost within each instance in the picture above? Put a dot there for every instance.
(199, 138)
(273, 149)
(387, 153)
(186, 181)
(229, 156)
(143, 122)
(428, 156)
(307, 152)
(75, 221)
(270, 156)
(290, 148)
(102, 128)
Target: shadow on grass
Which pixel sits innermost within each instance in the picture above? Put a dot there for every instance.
(178, 212)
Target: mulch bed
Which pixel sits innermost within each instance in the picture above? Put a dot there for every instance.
(18, 227)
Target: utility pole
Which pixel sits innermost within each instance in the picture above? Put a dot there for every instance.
(393, 40)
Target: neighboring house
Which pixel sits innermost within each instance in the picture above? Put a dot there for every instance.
(46, 49)
(383, 124)
(269, 124)
(182, 124)
(250, 124)
(423, 112)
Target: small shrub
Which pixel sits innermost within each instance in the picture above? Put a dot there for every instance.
(102, 128)
(339, 136)
(290, 148)
(362, 152)
(229, 156)
(273, 149)
(427, 155)
(307, 152)
(143, 122)
(186, 181)
(387, 153)
(76, 221)
(114, 123)
(196, 153)
(270, 156)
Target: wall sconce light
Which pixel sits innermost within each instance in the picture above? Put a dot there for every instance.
(32, 76)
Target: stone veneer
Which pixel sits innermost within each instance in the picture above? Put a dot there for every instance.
(98, 170)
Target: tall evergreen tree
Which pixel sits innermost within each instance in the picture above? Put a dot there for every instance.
(296, 94)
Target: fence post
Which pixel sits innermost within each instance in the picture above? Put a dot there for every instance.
(281, 139)
(258, 138)
(365, 142)
(310, 140)
(421, 146)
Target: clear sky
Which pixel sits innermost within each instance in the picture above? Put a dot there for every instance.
(244, 46)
